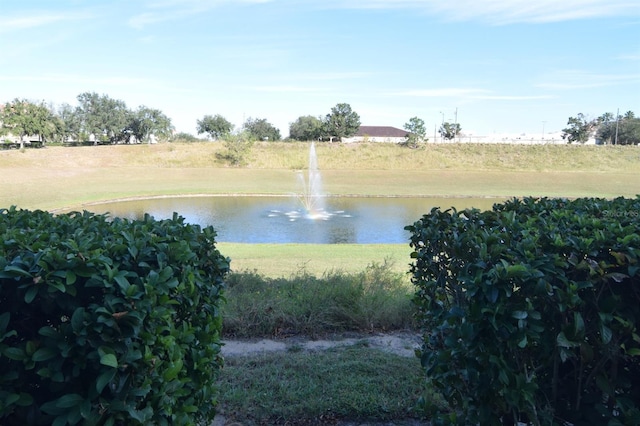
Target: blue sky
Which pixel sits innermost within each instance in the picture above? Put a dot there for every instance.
(509, 66)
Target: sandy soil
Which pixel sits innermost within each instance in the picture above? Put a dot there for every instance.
(398, 343)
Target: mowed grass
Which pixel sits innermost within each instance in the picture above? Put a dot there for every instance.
(315, 388)
(284, 260)
(62, 177)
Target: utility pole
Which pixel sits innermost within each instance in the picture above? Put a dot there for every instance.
(543, 123)
(455, 126)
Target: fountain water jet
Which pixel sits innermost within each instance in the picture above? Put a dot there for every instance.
(312, 198)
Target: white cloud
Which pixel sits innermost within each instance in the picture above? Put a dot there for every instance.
(346, 75)
(441, 93)
(630, 57)
(577, 79)
(77, 79)
(512, 97)
(144, 19)
(465, 95)
(501, 12)
(494, 12)
(284, 89)
(36, 20)
(169, 10)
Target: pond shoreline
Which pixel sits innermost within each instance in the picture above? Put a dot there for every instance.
(292, 195)
(289, 218)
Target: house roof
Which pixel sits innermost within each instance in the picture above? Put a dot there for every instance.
(381, 132)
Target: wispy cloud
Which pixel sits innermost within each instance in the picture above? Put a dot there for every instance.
(284, 89)
(441, 93)
(78, 79)
(329, 76)
(494, 12)
(576, 79)
(197, 4)
(500, 12)
(465, 94)
(512, 97)
(36, 20)
(169, 10)
(629, 57)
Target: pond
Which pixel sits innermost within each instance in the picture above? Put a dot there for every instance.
(270, 219)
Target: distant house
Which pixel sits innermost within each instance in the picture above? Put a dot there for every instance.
(378, 134)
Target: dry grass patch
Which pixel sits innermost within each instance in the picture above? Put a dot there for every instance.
(56, 177)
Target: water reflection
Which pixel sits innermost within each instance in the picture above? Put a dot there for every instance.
(282, 220)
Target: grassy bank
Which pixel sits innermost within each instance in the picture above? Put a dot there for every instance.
(58, 177)
(373, 299)
(278, 260)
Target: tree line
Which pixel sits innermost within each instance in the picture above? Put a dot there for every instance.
(103, 120)
(341, 122)
(100, 119)
(609, 129)
(97, 117)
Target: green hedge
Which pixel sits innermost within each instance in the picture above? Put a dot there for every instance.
(531, 311)
(108, 321)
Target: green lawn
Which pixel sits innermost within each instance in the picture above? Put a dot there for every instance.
(274, 260)
(306, 388)
(58, 177)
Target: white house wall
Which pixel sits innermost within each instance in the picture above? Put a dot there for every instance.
(355, 139)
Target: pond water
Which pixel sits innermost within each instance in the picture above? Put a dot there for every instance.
(251, 219)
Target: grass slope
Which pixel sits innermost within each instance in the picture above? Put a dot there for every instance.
(58, 177)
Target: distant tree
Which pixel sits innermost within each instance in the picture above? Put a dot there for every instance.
(107, 119)
(629, 131)
(147, 121)
(342, 122)
(606, 127)
(185, 137)
(237, 148)
(23, 118)
(606, 117)
(215, 126)
(416, 132)
(449, 130)
(71, 123)
(306, 128)
(54, 127)
(579, 130)
(260, 129)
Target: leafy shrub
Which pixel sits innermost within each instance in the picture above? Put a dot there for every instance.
(107, 322)
(237, 148)
(531, 310)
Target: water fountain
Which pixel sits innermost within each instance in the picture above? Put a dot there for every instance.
(311, 197)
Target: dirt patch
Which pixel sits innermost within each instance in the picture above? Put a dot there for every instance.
(398, 343)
